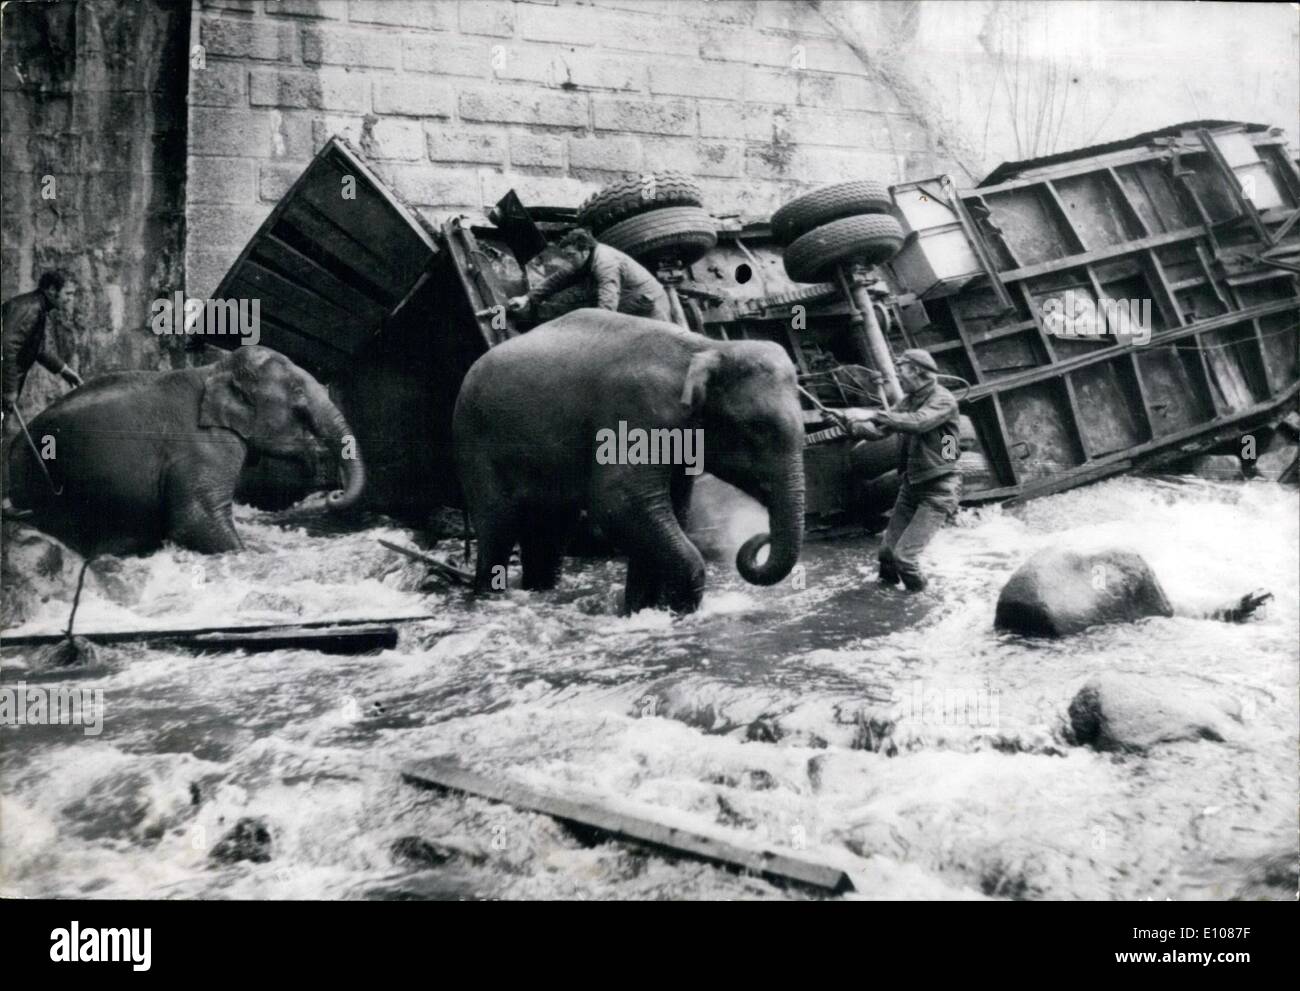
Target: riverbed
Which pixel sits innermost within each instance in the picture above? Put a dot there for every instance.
(896, 737)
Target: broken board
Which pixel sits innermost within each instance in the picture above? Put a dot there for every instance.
(326, 636)
(779, 868)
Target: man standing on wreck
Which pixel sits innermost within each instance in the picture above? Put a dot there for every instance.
(616, 281)
(927, 418)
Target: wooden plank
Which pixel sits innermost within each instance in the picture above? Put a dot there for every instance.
(1245, 206)
(441, 567)
(139, 636)
(354, 640)
(963, 341)
(1206, 433)
(294, 304)
(1080, 434)
(344, 151)
(370, 220)
(1134, 214)
(1143, 396)
(1103, 254)
(1063, 213)
(1006, 440)
(1157, 340)
(1044, 337)
(776, 867)
(1167, 297)
(374, 271)
(275, 253)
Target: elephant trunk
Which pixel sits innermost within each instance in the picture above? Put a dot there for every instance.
(338, 436)
(785, 515)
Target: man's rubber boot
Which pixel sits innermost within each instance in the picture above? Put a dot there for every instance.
(888, 573)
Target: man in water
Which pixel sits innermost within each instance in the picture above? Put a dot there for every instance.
(22, 344)
(616, 281)
(927, 418)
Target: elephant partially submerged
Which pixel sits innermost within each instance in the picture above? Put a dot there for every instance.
(136, 458)
(533, 426)
(1058, 592)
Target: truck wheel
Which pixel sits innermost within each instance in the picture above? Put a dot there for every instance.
(821, 206)
(873, 238)
(639, 194)
(684, 232)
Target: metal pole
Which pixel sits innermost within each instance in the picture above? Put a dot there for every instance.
(37, 454)
(871, 339)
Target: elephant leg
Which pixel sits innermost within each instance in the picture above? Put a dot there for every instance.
(541, 550)
(496, 530)
(208, 531)
(662, 562)
(644, 589)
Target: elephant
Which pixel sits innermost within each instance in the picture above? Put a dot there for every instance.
(533, 434)
(1058, 592)
(139, 457)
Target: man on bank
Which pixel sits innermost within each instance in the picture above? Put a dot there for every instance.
(615, 281)
(23, 322)
(927, 418)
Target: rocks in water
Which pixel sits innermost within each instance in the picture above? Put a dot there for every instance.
(34, 568)
(1127, 713)
(68, 653)
(1058, 592)
(249, 839)
(1278, 461)
(1218, 467)
(417, 852)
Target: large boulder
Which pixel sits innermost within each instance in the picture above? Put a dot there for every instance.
(34, 569)
(1129, 714)
(1058, 592)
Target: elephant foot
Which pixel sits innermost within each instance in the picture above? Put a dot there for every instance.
(1243, 608)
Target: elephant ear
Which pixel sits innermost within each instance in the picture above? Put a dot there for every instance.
(228, 394)
(695, 388)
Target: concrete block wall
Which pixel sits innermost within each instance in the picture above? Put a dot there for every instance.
(455, 103)
(92, 180)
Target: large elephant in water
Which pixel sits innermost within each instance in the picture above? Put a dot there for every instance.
(135, 458)
(548, 425)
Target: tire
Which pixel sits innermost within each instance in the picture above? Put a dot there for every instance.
(685, 232)
(640, 194)
(821, 206)
(873, 238)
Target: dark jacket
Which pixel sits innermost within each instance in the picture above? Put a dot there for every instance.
(925, 418)
(620, 282)
(22, 342)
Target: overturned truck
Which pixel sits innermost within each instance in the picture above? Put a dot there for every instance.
(1120, 306)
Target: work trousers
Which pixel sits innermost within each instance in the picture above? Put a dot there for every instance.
(919, 511)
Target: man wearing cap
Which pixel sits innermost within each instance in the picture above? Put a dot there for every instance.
(927, 418)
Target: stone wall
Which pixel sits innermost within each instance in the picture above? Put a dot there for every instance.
(94, 173)
(457, 102)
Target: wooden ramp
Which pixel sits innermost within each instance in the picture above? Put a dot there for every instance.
(779, 868)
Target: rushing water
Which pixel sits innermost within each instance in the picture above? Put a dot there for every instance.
(787, 715)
